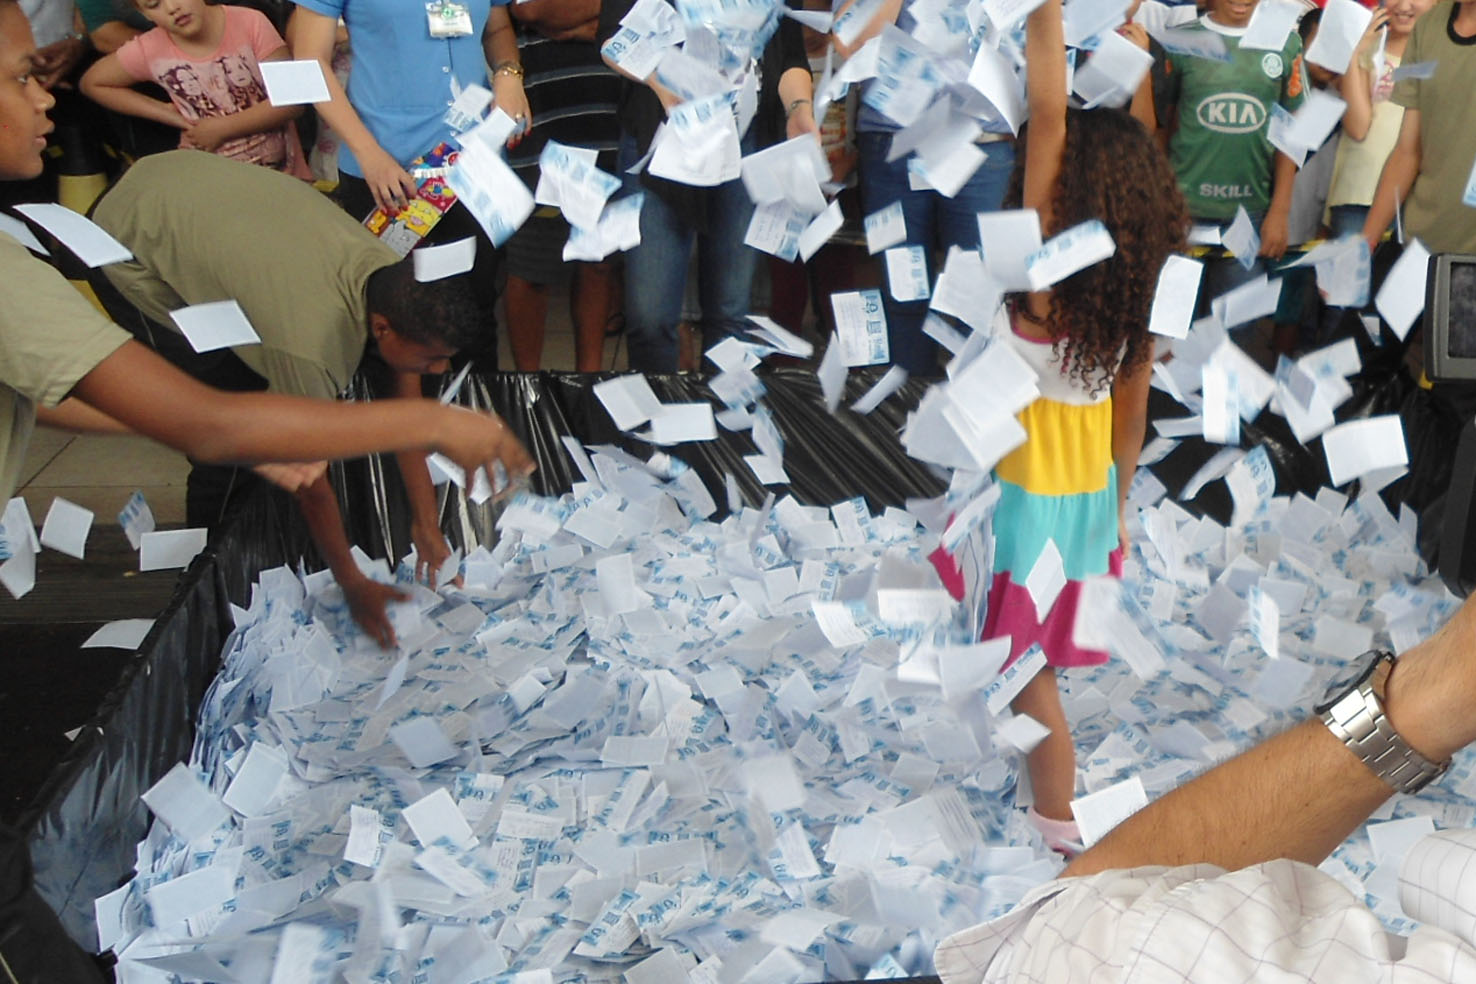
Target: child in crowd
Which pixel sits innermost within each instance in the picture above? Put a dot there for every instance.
(1297, 311)
(208, 59)
(1087, 338)
(1219, 136)
(1371, 122)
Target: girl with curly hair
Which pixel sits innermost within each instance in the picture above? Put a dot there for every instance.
(1087, 339)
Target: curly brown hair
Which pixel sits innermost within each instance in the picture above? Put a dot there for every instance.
(1112, 170)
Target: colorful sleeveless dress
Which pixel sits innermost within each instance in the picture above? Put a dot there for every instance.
(1060, 485)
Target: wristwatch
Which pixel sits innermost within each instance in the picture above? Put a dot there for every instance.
(1354, 713)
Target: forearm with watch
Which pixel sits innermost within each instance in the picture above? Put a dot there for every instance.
(1300, 794)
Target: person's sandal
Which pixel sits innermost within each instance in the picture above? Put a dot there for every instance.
(1061, 836)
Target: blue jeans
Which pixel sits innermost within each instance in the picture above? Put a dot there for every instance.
(1347, 220)
(934, 222)
(656, 270)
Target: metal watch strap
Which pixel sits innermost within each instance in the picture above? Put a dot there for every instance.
(1357, 719)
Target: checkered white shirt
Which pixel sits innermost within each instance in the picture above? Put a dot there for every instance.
(1282, 921)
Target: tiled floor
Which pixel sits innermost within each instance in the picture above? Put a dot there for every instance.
(100, 473)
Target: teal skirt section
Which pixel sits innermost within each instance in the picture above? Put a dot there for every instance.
(1083, 525)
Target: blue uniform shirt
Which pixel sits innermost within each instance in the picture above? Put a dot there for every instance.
(400, 83)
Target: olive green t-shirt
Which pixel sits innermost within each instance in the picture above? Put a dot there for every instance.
(205, 228)
(50, 337)
(1221, 151)
(1435, 213)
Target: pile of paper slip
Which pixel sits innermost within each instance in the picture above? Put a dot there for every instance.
(754, 750)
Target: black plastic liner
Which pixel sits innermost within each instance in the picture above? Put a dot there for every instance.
(88, 818)
(86, 821)
(1431, 417)
(828, 458)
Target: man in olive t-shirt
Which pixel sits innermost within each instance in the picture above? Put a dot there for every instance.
(51, 339)
(318, 289)
(205, 228)
(1436, 148)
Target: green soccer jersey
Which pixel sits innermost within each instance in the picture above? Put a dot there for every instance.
(1221, 151)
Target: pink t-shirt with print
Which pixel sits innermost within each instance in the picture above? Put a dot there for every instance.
(224, 82)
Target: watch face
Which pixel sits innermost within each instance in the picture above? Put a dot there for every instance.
(1353, 673)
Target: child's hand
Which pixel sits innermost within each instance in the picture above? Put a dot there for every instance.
(1274, 235)
(209, 133)
(1135, 33)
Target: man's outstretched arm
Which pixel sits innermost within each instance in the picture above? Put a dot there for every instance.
(1300, 794)
(147, 395)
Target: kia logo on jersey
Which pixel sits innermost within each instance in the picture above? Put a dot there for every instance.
(1231, 112)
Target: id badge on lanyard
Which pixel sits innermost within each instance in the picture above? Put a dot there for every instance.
(448, 19)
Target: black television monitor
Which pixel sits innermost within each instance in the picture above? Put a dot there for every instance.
(1450, 318)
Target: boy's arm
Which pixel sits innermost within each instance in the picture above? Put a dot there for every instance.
(1274, 227)
(77, 417)
(212, 131)
(366, 597)
(312, 35)
(431, 548)
(796, 95)
(1395, 181)
(137, 388)
(109, 85)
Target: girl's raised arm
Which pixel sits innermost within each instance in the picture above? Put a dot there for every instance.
(1045, 81)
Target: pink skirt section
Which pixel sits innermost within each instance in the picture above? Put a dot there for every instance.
(1011, 613)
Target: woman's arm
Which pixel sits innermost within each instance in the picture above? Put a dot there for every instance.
(212, 131)
(797, 94)
(500, 43)
(1356, 85)
(312, 35)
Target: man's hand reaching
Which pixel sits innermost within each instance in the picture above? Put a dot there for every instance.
(475, 440)
(431, 551)
(291, 477)
(367, 599)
